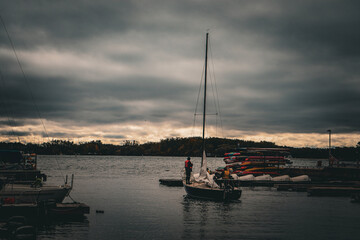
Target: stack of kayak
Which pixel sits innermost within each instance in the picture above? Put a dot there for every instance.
(257, 161)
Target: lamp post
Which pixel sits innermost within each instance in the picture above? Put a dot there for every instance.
(357, 154)
(330, 164)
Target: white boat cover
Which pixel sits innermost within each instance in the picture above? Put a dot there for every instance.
(235, 163)
(203, 170)
(283, 178)
(234, 176)
(248, 177)
(265, 177)
(301, 178)
(208, 179)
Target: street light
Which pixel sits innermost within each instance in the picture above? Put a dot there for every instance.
(329, 146)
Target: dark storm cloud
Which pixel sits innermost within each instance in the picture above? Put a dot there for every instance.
(115, 136)
(16, 133)
(319, 87)
(60, 22)
(93, 102)
(13, 123)
(284, 66)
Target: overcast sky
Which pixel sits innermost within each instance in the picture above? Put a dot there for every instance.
(281, 71)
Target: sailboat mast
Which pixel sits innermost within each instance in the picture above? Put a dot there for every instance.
(204, 110)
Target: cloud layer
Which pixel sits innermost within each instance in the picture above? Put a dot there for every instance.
(116, 70)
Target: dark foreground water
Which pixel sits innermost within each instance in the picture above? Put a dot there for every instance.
(136, 207)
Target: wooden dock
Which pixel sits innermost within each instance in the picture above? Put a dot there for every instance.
(23, 209)
(171, 182)
(303, 187)
(324, 173)
(33, 210)
(333, 191)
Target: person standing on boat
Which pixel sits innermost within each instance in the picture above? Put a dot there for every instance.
(188, 169)
(226, 173)
(226, 176)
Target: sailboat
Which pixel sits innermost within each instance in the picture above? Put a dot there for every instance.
(203, 186)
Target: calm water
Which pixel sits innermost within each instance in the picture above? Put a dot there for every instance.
(136, 207)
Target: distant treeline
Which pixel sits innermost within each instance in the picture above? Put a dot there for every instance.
(173, 147)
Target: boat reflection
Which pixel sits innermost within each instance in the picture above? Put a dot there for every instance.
(60, 228)
(201, 218)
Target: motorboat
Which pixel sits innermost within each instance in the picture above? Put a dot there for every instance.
(24, 193)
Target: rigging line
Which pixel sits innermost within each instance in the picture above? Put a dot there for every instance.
(213, 96)
(217, 95)
(25, 78)
(212, 86)
(28, 85)
(212, 77)
(197, 101)
(7, 111)
(208, 114)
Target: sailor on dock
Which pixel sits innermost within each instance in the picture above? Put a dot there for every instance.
(188, 169)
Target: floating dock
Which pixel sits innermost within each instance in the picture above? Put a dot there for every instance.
(171, 182)
(333, 191)
(303, 187)
(324, 173)
(33, 210)
(236, 183)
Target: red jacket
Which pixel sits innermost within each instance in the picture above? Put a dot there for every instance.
(188, 165)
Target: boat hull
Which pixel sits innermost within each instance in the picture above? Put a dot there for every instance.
(217, 194)
(27, 194)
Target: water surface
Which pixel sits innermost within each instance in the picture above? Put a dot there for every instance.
(136, 206)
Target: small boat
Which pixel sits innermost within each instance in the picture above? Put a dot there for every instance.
(69, 210)
(203, 186)
(20, 193)
(19, 167)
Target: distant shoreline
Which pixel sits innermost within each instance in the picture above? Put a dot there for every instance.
(174, 147)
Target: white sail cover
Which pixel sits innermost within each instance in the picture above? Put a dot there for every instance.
(265, 177)
(203, 169)
(208, 179)
(203, 176)
(248, 177)
(283, 178)
(301, 178)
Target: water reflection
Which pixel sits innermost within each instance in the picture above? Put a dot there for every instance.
(74, 228)
(202, 218)
(28, 227)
